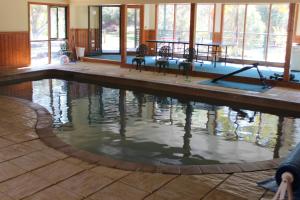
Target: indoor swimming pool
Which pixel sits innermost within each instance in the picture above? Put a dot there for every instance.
(156, 129)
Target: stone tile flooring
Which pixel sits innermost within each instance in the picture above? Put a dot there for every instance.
(31, 170)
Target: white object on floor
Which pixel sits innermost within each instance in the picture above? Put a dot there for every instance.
(79, 52)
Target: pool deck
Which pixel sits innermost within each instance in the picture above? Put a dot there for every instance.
(31, 170)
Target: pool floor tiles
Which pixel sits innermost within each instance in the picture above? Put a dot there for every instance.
(31, 170)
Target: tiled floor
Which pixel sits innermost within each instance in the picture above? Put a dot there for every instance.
(33, 171)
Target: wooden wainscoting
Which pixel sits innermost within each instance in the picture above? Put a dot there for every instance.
(217, 37)
(14, 49)
(79, 38)
(150, 35)
(296, 39)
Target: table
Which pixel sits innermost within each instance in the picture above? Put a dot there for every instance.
(170, 43)
(213, 48)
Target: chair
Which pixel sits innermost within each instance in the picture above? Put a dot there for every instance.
(187, 64)
(139, 58)
(163, 60)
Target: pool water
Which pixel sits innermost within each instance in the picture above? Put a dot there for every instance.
(147, 128)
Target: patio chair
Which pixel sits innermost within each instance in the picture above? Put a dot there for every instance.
(163, 60)
(188, 62)
(139, 58)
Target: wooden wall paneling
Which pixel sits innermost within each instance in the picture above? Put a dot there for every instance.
(82, 36)
(79, 38)
(72, 40)
(297, 39)
(289, 42)
(150, 35)
(14, 49)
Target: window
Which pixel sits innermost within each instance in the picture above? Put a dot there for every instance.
(58, 31)
(257, 31)
(278, 33)
(182, 22)
(233, 29)
(174, 22)
(166, 22)
(205, 22)
(58, 23)
(39, 34)
(133, 28)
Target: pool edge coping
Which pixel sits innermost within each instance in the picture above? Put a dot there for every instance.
(45, 132)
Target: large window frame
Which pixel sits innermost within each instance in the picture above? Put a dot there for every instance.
(243, 35)
(50, 40)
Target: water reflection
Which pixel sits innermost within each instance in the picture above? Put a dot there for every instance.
(187, 128)
(133, 125)
(122, 110)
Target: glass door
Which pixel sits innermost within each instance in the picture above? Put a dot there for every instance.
(39, 34)
(48, 31)
(110, 29)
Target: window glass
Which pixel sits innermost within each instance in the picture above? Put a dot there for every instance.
(233, 29)
(205, 22)
(165, 21)
(256, 32)
(266, 31)
(278, 32)
(54, 22)
(133, 28)
(182, 27)
(39, 22)
(62, 33)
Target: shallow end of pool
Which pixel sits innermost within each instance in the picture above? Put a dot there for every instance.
(46, 134)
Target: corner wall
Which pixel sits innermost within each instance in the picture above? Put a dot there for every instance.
(79, 32)
(14, 32)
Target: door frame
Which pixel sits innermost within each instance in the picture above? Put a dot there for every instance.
(49, 40)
